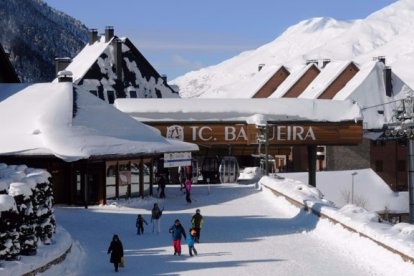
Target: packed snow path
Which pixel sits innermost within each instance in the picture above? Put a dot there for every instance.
(246, 232)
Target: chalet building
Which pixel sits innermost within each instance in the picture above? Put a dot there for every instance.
(7, 72)
(92, 150)
(111, 67)
(372, 85)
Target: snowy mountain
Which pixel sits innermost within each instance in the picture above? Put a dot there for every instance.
(35, 34)
(388, 32)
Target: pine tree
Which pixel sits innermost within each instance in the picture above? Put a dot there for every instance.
(9, 236)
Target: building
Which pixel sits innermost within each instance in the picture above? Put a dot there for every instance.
(111, 67)
(93, 151)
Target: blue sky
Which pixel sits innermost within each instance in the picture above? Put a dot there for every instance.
(184, 35)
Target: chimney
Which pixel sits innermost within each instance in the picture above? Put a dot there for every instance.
(109, 33)
(261, 65)
(61, 64)
(93, 36)
(117, 44)
(325, 62)
(381, 59)
(65, 76)
(314, 61)
(164, 78)
(388, 81)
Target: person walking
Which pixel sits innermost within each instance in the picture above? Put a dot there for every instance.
(188, 185)
(161, 186)
(156, 214)
(177, 232)
(117, 251)
(140, 224)
(197, 222)
(190, 241)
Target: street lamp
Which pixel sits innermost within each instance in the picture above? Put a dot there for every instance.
(352, 187)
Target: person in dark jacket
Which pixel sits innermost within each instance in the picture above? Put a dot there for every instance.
(117, 251)
(197, 222)
(161, 186)
(156, 214)
(140, 224)
(177, 231)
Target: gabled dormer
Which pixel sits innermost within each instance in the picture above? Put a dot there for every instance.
(272, 83)
(300, 85)
(340, 81)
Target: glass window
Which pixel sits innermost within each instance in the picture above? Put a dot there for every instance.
(111, 96)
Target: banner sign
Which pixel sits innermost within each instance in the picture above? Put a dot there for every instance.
(346, 133)
(176, 159)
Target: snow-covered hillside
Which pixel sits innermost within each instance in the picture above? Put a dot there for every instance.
(388, 32)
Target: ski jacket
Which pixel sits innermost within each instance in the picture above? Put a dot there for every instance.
(191, 240)
(177, 231)
(197, 221)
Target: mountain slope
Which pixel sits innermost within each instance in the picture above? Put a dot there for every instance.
(387, 32)
(35, 34)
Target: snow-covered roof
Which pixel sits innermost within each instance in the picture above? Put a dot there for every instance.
(86, 58)
(55, 119)
(295, 75)
(328, 74)
(255, 111)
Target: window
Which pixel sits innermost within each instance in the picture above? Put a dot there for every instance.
(94, 92)
(133, 94)
(101, 95)
(111, 96)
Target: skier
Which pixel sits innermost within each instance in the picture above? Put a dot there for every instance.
(177, 231)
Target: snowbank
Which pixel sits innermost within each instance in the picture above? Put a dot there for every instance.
(398, 238)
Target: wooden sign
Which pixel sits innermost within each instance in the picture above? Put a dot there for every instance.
(346, 133)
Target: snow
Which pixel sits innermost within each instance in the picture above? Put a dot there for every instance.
(365, 182)
(48, 124)
(386, 33)
(246, 110)
(248, 230)
(20, 188)
(7, 203)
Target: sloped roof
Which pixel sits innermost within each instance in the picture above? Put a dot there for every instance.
(332, 70)
(252, 111)
(55, 119)
(295, 75)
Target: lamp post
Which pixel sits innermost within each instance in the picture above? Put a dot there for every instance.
(352, 187)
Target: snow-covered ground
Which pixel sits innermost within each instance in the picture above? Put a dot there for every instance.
(248, 231)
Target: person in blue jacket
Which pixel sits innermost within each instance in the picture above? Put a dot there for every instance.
(190, 241)
(177, 231)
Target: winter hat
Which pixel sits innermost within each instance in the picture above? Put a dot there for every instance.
(177, 221)
(198, 211)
